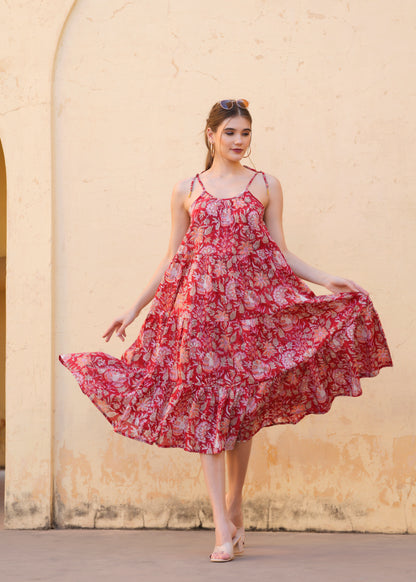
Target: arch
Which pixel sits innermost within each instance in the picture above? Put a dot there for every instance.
(28, 493)
(110, 113)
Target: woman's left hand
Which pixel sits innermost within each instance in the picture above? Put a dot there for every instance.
(340, 285)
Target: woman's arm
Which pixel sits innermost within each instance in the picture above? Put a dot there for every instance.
(273, 219)
(179, 225)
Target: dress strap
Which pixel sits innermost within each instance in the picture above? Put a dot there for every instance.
(199, 180)
(255, 174)
(252, 177)
(192, 186)
(266, 182)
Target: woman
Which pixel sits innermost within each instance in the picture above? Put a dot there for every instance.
(234, 340)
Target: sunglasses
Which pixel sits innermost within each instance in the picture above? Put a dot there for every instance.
(229, 103)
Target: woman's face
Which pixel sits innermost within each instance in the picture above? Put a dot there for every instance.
(232, 138)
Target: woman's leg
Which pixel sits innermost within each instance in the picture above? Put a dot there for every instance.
(214, 471)
(237, 463)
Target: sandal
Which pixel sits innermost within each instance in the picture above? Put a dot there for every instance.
(223, 553)
(239, 541)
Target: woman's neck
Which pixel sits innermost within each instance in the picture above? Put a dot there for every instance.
(222, 168)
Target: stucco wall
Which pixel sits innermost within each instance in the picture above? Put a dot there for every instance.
(332, 96)
(3, 236)
(29, 36)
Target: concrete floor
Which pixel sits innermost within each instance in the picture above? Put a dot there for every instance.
(89, 555)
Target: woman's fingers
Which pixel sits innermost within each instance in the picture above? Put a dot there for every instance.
(121, 332)
(128, 319)
(356, 287)
(107, 334)
(119, 325)
(363, 290)
(339, 284)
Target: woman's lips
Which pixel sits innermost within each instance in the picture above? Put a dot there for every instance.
(237, 150)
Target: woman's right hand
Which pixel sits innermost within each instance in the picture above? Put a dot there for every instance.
(119, 325)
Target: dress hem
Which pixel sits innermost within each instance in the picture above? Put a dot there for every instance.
(295, 419)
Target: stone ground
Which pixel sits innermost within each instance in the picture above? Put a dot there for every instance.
(82, 555)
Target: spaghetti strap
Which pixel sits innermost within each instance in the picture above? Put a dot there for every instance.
(251, 179)
(192, 186)
(266, 182)
(199, 180)
(255, 174)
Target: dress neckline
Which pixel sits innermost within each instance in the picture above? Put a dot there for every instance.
(246, 191)
(226, 197)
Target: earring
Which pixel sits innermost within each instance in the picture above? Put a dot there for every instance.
(211, 148)
(249, 154)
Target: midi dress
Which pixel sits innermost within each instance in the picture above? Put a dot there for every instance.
(233, 341)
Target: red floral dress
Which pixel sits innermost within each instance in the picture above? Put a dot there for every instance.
(233, 342)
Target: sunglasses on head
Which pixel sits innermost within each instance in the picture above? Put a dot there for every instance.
(229, 103)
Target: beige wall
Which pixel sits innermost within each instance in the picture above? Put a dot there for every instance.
(124, 97)
(29, 35)
(3, 235)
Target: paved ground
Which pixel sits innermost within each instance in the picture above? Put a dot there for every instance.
(156, 555)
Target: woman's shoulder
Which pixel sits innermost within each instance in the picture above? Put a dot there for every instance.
(272, 182)
(183, 187)
(184, 184)
(273, 188)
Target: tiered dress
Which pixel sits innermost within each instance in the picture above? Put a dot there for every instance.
(233, 341)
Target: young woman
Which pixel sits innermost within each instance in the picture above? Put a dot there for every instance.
(234, 340)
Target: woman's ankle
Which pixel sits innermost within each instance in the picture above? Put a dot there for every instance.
(237, 520)
(224, 532)
(235, 511)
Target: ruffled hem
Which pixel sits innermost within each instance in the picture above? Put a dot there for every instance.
(208, 419)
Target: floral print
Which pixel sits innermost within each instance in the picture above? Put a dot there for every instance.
(233, 342)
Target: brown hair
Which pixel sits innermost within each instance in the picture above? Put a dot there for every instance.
(216, 116)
